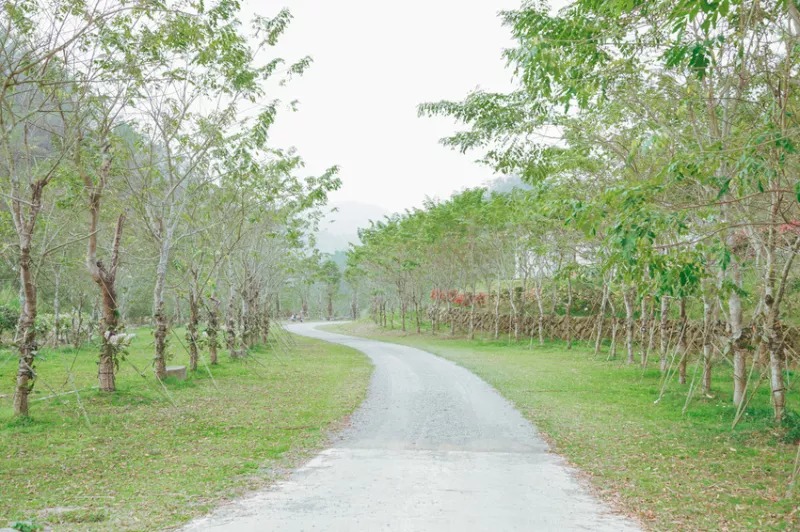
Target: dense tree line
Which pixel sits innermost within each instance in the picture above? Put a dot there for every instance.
(659, 141)
(138, 180)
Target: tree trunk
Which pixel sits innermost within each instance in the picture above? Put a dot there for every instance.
(708, 315)
(212, 329)
(106, 279)
(191, 329)
(57, 308)
(540, 303)
(27, 331)
(497, 311)
(645, 328)
(601, 319)
(416, 314)
(402, 314)
(230, 321)
(569, 312)
(735, 319)
(472, 314)
(160, 318)
(663, 331)
(628, 297)
(683, 345)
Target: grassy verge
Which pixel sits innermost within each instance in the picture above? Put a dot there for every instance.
(676, 472)
(144, 464)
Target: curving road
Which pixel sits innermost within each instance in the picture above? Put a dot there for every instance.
(433, 448)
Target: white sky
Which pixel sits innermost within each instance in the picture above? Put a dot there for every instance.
(374, 62)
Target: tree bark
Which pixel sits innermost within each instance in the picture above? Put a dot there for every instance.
(160, 319)
(628, 297)
(106, 279)
(212, 330)
(735, 319)
(601, 319)
(663, 332)
(569, 312)
(683, 346)
(708, 314)
(645, 328)
(191, 329)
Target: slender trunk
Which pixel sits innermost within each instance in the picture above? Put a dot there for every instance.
(662, 365)
(645, 327)
(613, 349)
(416, 314)
(569, 312)
(191, 329)
(540, 303)
(57, 308)
(497, 312)
(402, 314)
(708, 314)
(230, 320)
(472, 314)
(26, 332)
(212, 329)
(161, 325)
(628, 297)
(601, 319)
(735, 319)
(683, 346)
(512, 298)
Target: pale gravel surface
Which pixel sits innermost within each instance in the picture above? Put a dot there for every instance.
(433, 448)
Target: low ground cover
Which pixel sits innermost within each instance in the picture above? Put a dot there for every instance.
(674, 470)
(149, 457)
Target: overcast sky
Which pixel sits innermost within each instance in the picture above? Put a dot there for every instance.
(374, 62)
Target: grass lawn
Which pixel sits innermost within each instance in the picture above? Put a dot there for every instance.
(144, 464)
(676, 472)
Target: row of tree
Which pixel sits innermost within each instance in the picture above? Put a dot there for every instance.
(135, 164)
(658, 141)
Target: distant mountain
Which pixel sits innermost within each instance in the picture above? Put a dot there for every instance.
(506, 184)
(339, 229)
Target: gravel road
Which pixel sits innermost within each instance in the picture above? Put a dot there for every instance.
(433, 448)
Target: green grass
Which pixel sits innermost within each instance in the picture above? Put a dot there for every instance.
(144, 464)
(674, 471)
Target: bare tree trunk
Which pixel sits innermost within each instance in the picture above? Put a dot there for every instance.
(212, 329)
(601, 319)
(645, 327)
(402, 314)
(773, 329)
(569, 312)
(683, 346)
(628, 297)
(735, 319)
(160, 318)
(472, 314)
(663, 331)
(230, 319)
(707, 318)
(416, 314)
(106, 279)
(27, 331)
(540, 303)
(497, 311)
(57, 308)
(191, 329)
